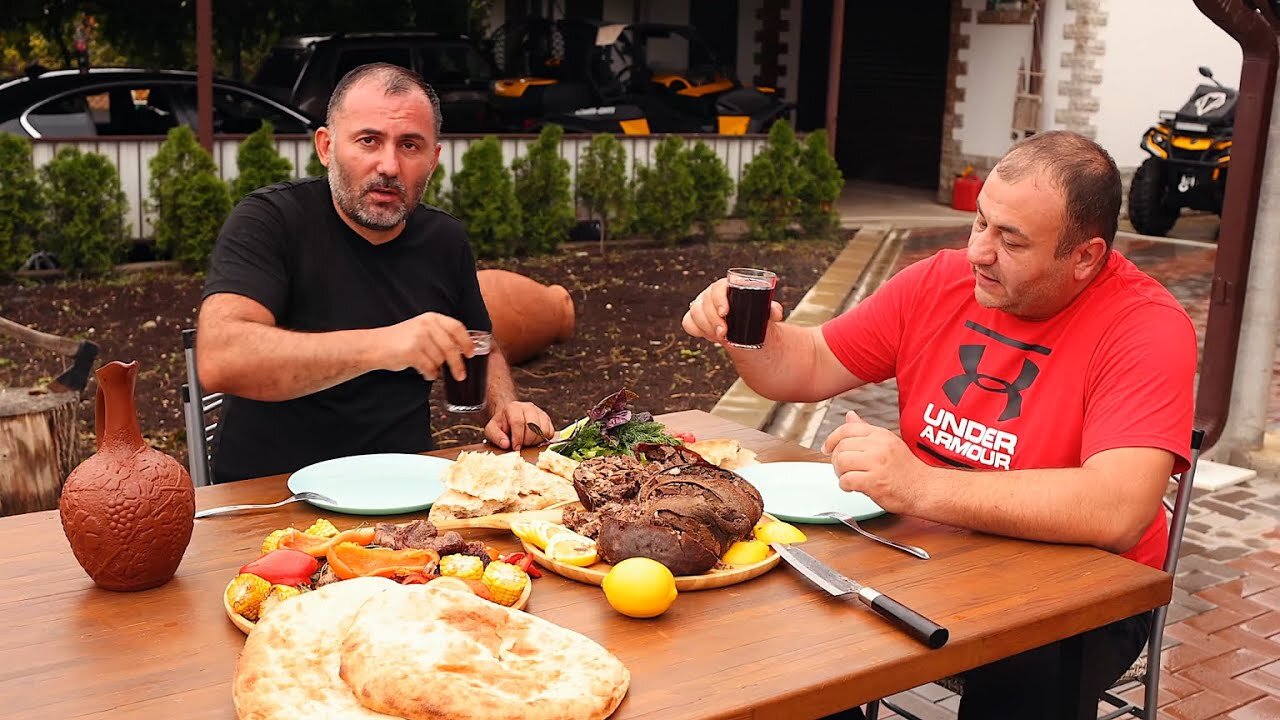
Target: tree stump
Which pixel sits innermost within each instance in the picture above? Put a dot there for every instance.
(39, 447)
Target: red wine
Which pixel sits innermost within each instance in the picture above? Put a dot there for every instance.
(467, 395)
(748, 315)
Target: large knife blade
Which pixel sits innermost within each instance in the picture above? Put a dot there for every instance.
(822, 575)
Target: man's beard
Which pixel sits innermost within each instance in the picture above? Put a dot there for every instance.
(355, 202)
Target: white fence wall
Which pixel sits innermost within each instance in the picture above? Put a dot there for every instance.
(133, 157)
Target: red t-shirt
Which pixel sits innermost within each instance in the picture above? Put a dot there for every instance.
(979, 388)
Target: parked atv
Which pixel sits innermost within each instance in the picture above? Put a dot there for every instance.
(1190, 154)
(591, 77)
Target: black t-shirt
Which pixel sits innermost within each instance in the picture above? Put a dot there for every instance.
(286, 247)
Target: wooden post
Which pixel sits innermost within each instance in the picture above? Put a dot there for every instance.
(204, 73)
(39, 447)
(836, 61)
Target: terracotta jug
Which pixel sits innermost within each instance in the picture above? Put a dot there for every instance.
(527, 315)
(129, 509)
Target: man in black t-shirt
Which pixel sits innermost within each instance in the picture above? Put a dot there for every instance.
(333, 303)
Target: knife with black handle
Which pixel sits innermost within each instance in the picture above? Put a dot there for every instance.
(917, 625)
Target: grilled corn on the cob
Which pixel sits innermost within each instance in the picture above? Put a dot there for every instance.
(505, 581)
(467, 567)
(278, 594)
(272, 542)
(246, 593)
(322, 528)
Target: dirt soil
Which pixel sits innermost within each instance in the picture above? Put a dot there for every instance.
(629, 303)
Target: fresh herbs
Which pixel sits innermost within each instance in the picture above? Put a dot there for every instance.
(613, 428)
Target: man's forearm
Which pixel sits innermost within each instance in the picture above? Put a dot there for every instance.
(1065, 505)
(501, 389)
(261, 362)
(785, 369)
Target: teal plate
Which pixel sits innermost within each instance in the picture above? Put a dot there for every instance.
(798, 491)
(381, 484)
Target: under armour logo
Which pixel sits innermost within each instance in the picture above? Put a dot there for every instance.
(1210, 101)
(970, 358)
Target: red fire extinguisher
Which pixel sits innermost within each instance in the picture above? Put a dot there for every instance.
(964, 195)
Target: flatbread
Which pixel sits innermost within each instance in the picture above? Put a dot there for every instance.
(482, 483)
(289, 666)
(724, 453)
(554, 462)
(434, 653)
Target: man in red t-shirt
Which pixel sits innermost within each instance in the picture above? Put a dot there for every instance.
(1045, 390)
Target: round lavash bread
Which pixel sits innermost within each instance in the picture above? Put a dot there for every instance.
(288, 668)
(434, 653)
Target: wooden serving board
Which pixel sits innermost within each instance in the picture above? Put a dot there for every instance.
(714, 578)
(246, 626)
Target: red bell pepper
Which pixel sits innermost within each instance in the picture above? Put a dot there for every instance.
(283, 567)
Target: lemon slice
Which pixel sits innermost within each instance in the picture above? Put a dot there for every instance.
(779, 532)
(572, 549)
(537, 532)
(747, 552)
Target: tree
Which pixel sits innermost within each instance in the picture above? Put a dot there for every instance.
(22, 204)
(433, 193)
(260, 165)
(820, 184)
(542, 187)
(665, 200)
(711, 187)
(484, 199)
(770, 182)
(86, 228)
(186, 228)
(602, 183)
(315, 168)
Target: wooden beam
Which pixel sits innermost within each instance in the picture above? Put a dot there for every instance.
(204, 73)
(833, 72)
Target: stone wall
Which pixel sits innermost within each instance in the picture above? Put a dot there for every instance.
(1082, 59)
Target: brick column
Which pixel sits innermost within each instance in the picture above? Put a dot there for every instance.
(1083, 60)
(771, 48)
(952, 162)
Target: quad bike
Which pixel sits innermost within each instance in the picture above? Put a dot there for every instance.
(590, 77)
(1190, 154)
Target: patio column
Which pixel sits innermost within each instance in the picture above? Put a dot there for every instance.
(204, 73)
(833, 72)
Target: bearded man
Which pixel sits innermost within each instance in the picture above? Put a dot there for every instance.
(333, 303)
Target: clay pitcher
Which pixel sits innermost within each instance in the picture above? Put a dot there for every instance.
(527, 315)
(129, 509)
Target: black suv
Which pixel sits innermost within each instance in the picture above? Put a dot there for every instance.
(303, 71)
(122, 101)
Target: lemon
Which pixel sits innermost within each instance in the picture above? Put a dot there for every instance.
(572, 549)
(748, 552)
(776, 531)
(640, 587)
(538, 532)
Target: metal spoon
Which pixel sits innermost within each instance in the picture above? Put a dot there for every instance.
(848, 520)
(304, 495)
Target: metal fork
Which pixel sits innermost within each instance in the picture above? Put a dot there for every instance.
(848, 520)
(304, 495)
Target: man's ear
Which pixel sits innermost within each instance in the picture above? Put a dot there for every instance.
(1089, 257)
(324, 144)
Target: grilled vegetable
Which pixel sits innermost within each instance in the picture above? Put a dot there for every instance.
(348, 560)
(467, 567)
(272, 542)
(246, 593)
(278, 594)
(322, 528)
(283, 567)
(505, 581)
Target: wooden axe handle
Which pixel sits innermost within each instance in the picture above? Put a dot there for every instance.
(54, 343)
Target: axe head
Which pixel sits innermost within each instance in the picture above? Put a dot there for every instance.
(76, 377)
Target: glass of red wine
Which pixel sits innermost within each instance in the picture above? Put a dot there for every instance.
(468, 395)
(750, 303)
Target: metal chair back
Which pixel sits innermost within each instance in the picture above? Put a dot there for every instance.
(196, 410)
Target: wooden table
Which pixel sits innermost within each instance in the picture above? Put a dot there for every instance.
(774, 647)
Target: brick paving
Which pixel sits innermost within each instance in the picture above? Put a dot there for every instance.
(1222, 643)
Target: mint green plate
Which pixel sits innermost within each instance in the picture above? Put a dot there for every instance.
(380, 484)
(798, 491)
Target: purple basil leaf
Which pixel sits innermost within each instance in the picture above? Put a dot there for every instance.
(616, 419)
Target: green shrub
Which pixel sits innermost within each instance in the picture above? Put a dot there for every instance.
(203, 205)
(259, 163)
(433, 193)
(712, 187)
(820, 185)
(483, 198)
(603, 186)
(315, 168)
(665, 201)
(22, 203)
(86, 227)
(173, 170)
(542, 187)
(770, 182)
